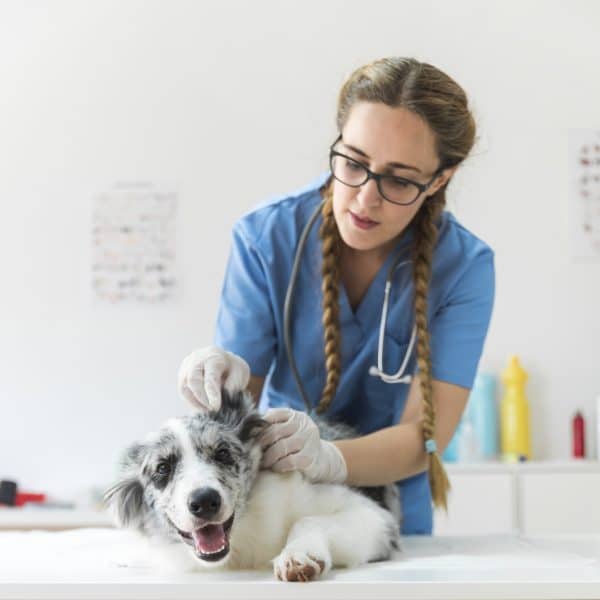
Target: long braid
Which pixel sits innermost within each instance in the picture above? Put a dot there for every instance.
(330, 271)
(425, 240)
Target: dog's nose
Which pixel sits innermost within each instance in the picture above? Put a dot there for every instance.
(204, 503)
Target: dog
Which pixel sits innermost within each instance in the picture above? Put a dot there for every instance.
(196, 490)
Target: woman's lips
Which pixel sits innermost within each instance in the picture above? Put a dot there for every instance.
(362, 223)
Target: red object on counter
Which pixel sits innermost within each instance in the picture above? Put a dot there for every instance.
(23, 497)
(578, 436)
(11, 496)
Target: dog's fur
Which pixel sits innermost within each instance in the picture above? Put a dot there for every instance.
(196, 488)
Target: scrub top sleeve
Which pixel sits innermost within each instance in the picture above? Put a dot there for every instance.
(245, 324)
(459, 328)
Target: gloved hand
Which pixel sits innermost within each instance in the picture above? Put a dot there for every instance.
(292, 442)
(205, 371)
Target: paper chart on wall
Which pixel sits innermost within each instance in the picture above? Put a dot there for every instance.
(133, 243)
(585, 192)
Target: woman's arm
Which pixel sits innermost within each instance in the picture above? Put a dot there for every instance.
(397, 452)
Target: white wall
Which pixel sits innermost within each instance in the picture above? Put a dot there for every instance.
(235, 102)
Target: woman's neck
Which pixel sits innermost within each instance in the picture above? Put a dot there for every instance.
(358, 269)
(374, 257)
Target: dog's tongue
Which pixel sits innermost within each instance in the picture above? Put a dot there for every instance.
(209, 539)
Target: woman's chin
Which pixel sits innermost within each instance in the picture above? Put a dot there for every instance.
(362, 241)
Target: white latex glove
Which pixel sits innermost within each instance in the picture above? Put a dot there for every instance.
(292, 442)
(204, 372)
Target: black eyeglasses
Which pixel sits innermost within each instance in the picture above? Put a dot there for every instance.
(397, 190)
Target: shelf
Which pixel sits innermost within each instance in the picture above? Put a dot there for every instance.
(34, 517)
(539, 466)
(52, 518)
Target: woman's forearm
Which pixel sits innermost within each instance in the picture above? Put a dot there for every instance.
(385, 456)
(398, 452)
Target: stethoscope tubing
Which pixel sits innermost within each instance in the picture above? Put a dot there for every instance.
(287, 308)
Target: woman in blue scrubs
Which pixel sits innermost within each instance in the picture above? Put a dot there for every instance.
(404, 128)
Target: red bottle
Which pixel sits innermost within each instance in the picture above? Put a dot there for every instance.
(578, 436)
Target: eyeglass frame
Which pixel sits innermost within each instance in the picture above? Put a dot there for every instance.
(422, 187)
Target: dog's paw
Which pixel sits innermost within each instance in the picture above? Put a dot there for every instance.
(299, 566)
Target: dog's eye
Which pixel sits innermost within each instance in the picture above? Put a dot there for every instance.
(223, 455)
(163, 468)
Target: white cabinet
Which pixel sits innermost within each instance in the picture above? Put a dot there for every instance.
(534, 498)
(493, 493)
(559, 502)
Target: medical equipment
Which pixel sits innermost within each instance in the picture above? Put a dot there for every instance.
(377, 371)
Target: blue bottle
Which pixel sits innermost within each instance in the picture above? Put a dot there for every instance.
(483, 414)
(450, 454)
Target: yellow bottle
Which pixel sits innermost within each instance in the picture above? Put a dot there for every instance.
(514, 414)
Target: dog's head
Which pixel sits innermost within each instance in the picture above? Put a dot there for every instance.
(188, 481)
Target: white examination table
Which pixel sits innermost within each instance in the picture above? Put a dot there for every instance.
(106, 563)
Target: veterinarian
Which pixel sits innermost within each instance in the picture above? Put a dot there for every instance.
(397, 367)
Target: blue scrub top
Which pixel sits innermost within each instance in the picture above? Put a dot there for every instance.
(250, 321)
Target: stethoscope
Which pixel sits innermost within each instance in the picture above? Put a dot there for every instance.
(377, 371)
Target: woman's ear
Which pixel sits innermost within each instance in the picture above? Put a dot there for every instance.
(441, 180)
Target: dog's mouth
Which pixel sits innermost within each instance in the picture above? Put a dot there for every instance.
(211, 541)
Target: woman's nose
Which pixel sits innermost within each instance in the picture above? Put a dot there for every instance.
(368, 194)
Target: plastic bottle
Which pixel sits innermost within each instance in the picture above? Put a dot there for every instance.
(476, 436)
(578, 426)
(451, 453)
(514, 414)
(468, 444)
(483, 414)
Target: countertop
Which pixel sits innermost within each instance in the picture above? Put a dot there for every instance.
(108, 563)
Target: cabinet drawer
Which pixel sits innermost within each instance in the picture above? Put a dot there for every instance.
(560, 502)
(478, 504)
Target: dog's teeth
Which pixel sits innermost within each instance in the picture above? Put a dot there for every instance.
(217, 550)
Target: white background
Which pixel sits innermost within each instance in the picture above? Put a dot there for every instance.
(234, 102)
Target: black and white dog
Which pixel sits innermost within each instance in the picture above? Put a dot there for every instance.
(195, 488)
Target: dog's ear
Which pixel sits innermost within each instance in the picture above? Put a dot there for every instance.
(126, 497)
(238, 411)
(235, 405)
(251, 427)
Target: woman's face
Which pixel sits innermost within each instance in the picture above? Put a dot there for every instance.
(376, 135)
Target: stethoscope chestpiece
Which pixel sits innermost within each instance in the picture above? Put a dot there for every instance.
(389, 378)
